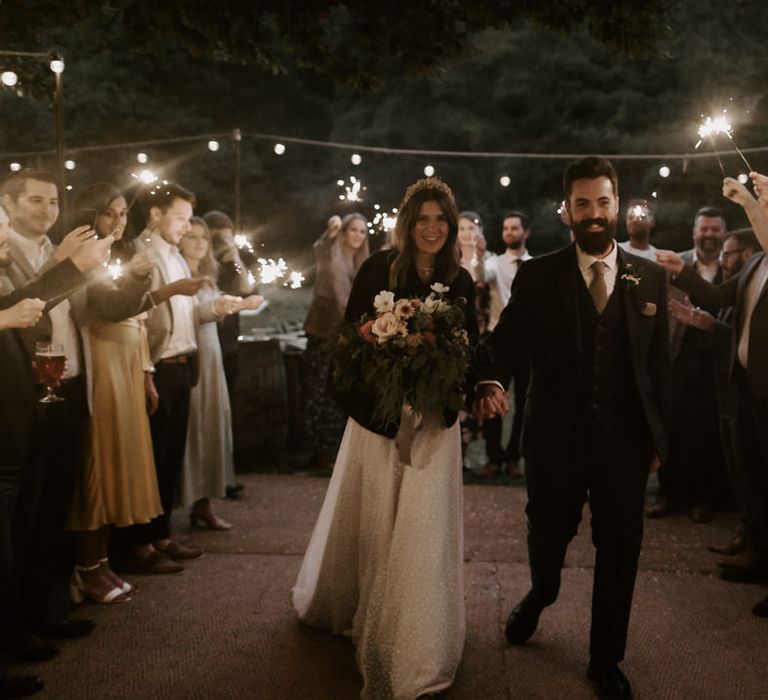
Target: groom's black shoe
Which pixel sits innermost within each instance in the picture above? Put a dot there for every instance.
(523, 620)
(608, 680)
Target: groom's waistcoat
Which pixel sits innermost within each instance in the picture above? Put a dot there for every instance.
(606, 385)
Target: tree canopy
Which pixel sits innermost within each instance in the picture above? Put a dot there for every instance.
(575, 77)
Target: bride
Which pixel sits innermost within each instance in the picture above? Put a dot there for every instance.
(384, 564)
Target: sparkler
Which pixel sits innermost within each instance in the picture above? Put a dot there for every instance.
(242, 242)
(115, 269)
(296, 278)
(352, 190)
(271, 271)
(713, 127)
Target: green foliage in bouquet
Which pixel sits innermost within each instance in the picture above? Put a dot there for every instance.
(413, 351)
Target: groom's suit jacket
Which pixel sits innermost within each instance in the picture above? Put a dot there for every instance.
(546, 320)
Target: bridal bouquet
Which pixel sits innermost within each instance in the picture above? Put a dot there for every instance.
(413, 351)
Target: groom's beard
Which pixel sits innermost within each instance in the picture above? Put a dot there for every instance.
(515, 245)
(594, 242)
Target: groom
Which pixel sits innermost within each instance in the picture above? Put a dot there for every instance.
(593, 321)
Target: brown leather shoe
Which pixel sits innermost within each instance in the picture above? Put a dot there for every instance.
(512, 468)
(176, 550)
(156, 563)
(490, 469)
(737, 545)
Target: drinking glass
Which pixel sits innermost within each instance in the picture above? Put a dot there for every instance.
(50, 359)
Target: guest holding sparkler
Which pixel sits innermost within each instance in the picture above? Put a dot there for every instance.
(118, 486)
(208, 464)
(748, 372)
(339, 253)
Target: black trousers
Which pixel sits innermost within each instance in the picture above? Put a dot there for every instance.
(611, 474)
(42, 557)
(168, 426)
(492, 428)
(10, 476)
(752, 460)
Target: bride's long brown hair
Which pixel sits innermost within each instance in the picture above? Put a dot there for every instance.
(447, 260)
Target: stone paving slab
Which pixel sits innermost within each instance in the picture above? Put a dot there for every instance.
(225, 627)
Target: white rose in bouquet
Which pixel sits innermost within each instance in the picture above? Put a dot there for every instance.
(384, 301)
(386, 326)
(439, 288)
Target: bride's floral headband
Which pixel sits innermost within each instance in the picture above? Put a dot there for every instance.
(426, 183)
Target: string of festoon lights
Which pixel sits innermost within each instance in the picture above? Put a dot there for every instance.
(714, 126)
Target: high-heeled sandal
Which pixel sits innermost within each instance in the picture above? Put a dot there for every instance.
(211, 521)
(127, 587)
(78, 590)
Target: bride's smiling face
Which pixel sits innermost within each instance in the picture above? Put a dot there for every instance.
(430, 231)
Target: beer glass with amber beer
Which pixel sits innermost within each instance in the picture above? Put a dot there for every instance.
(49, 359)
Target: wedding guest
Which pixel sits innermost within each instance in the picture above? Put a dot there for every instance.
(24, 309)
(640, 221)
(385, 561)
(593, 321)
(118, 485)
(694, 476)
(738, 247)
(500, 272)
(31, 199)
(746, 292)
(233, 279)
(173, 350)
(339, 253)
(208, 465)
(472, 245)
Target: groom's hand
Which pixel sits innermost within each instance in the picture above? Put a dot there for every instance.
(655, 464)
(490, 401)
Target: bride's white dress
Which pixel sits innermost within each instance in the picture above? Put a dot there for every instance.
(385, 561)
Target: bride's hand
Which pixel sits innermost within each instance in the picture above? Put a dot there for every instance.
(491, 401)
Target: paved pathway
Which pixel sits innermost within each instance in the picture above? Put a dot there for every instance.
(225, 628)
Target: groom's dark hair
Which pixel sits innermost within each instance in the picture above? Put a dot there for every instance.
(589, 168)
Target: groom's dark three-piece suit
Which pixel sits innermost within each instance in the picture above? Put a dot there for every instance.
(596, 413)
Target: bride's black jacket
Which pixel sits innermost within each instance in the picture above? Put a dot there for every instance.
(372, 278)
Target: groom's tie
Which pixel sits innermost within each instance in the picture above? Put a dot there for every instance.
(598, 289)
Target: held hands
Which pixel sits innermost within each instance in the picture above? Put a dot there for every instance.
(226, 305)
(25, 314)
(670, 261)
(491, 401)
(689, 315)
(655, 464)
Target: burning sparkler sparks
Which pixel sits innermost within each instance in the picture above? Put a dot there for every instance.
(352, 190)
(145, 176)
(296, 278)
(242, 242)
(714, 127)
(115, 269)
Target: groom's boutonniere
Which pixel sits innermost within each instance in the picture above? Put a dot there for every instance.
(631, 276)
